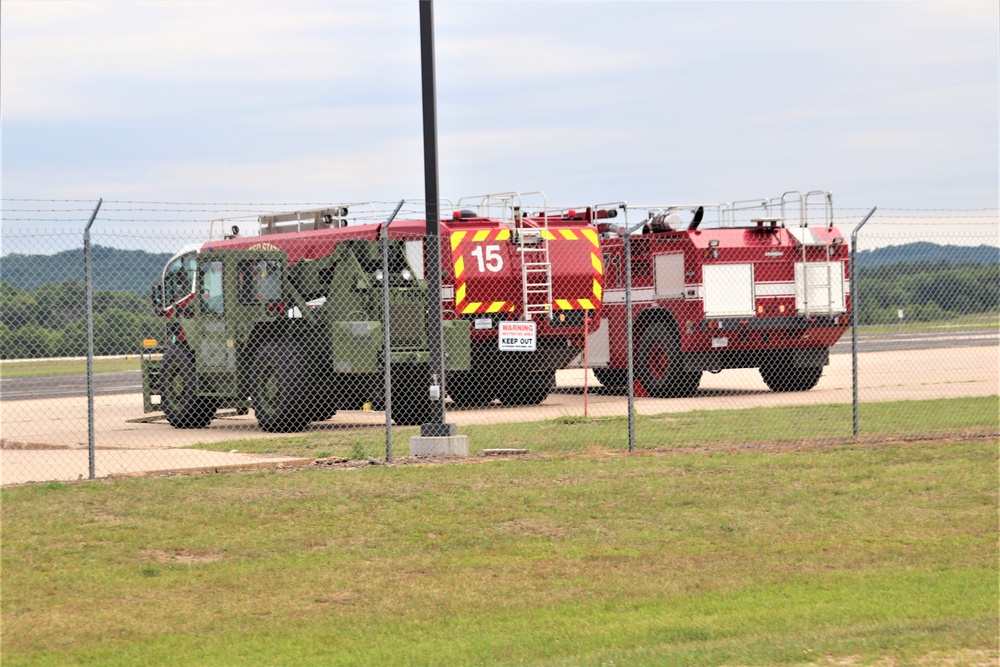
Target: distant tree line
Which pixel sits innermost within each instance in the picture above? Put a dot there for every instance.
(51, 321)
(926, 291)
(922, 251)
(112, 268)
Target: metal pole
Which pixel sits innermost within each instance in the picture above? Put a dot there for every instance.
(90, 339)
(628, 331)
(854, 321)
(432, 241)
(586, 359)
(386, 356)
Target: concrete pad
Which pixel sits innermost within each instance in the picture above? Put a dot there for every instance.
(455, 445)
(62, 422)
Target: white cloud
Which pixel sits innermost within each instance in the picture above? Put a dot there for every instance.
(61, 59)
(585, 100)
(339, 177)
(511, 60)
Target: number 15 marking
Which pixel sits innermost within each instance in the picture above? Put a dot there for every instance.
(493, 261)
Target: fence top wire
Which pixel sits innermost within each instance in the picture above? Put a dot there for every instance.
(194, 207)
(130, 202)
(136, 224)
(203, 219)
(925, 210)
(258, 207)
(17, 205)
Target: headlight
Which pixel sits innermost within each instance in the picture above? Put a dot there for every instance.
(378, 275)
(407, 274)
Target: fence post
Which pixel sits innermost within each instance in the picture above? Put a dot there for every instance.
(386, 356)
(90, 340)
(854, 321)
(436, 426)
(628, 329)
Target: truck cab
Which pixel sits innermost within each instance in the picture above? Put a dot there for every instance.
(246, 325)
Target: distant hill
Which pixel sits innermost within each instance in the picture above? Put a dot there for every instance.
(910, 253)
(135, 270)
(113, 269)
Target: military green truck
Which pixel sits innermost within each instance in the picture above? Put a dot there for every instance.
(290, 324)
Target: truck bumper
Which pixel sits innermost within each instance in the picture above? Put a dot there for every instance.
(759, 323)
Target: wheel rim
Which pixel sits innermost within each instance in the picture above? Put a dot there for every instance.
(659, 362)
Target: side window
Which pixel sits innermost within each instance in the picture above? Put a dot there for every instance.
(259, 281)
(211, 288)
(415, 255)
(178, 279)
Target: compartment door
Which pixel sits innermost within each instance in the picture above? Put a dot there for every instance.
(668, 271)
(728, 290)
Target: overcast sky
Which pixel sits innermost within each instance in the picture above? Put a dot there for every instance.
(892, 104)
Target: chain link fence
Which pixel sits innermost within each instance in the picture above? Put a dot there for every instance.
(283, 333)
(927, 314)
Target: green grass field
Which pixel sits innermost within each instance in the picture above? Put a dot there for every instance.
(14, 369)
(793, 423)
(880, 554)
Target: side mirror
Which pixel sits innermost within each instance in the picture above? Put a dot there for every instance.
(156, 298)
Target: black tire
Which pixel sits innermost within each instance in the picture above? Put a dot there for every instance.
(178, 391)
(411, 403)
(410, 413)
(466, 391)
(321, 414)
(527, 389)
(612, 378)
(659, 363)
(781, 376)
(320, 398)
(278, 392)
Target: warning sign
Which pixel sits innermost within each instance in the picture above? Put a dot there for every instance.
(517, 336)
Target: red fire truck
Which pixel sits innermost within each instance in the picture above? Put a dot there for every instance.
(522, 284)
(512, 260)
(751, 284)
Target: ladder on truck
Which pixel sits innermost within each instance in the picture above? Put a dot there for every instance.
(792, 211)
(806, 237)
(536, 267)
(531, 242)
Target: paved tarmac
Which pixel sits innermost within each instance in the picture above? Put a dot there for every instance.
(893, 340)
(20, 466)
(45, 439)
(129, 382)
(61, 386)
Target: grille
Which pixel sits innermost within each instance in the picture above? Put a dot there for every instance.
(406, 322)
